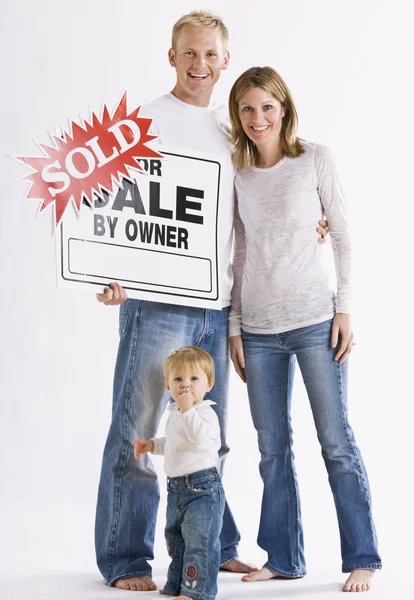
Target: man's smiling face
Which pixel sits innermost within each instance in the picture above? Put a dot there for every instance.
(199, 57)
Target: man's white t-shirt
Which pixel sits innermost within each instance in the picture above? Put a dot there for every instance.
(203, 129)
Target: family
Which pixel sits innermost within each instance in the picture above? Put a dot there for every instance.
(278, 308)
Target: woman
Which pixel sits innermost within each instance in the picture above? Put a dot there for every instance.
(283, 310)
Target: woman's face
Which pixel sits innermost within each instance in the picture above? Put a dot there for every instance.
(261, 116)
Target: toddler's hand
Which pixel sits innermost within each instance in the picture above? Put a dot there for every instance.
(142, 447)
(185, 401)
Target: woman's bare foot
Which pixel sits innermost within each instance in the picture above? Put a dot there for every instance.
(359, 581)
(138, 583)
(235, 565)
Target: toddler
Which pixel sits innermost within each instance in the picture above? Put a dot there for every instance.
(195, 494)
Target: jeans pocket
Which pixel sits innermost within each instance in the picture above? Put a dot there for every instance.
(124, 312)
(202, 488)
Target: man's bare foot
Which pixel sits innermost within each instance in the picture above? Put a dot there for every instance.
(260, 575)
(359, 581)
(138, 583)
(235, 565)
(264, 574)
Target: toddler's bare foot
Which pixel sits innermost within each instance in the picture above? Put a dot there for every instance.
(139, 583)
(235, 565)
(359, 581)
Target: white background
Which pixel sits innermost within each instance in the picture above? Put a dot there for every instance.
(349, 66)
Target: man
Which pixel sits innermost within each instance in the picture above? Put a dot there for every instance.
(128, 493)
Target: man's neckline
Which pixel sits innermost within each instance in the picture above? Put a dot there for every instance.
(188, 106)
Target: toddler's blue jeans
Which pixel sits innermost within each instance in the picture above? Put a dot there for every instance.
(194, 519)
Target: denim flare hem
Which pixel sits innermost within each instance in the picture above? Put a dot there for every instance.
(376, 566)
(171, 590)
(284, 573)
(226, 560)
(192, 594)
(185, 591)
(136, 574)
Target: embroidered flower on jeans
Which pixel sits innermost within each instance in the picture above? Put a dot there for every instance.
(191, 571)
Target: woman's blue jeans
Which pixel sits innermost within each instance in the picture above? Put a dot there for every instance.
(128, 495)
(270, 365)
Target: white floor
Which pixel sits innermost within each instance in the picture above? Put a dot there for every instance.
(89, 586)
(47, 553)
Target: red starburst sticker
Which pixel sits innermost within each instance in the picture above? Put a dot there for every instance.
(191, 571)
(91, 158)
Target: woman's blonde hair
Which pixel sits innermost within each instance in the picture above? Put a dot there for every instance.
(200, 18)
(245, 151)
(189, 356)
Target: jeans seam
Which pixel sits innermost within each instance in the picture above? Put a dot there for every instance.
(206, 549)
(172, 548)
(178, 541)
(127, 307)
(128, 394)
(355, 454)
(202, 338)
(292, 475)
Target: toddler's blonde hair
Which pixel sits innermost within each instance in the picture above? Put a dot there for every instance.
(189, 356)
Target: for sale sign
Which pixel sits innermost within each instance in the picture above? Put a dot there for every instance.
(144, 216)
(156, 235)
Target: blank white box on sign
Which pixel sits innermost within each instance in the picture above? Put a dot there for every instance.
(154, 267)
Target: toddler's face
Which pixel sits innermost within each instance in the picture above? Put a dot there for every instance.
(189, 379)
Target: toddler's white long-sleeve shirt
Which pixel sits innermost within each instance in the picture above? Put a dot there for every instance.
(192, 439)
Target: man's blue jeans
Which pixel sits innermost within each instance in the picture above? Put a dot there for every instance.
(194, 521)
(270, 364)
(128, 494)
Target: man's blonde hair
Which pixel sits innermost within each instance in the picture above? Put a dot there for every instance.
(245, 151)
(189, 356)
(200, 18)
